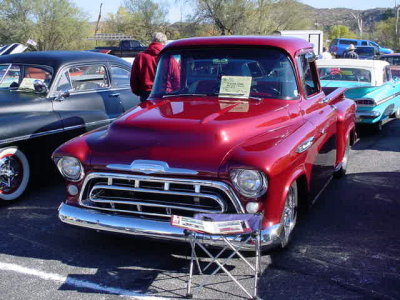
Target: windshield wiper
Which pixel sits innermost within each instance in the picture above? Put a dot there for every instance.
(183, 95)
(238, 95)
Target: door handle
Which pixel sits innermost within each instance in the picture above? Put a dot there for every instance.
(114, 95)
(325, 100)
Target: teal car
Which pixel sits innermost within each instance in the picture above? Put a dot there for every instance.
(370, 85)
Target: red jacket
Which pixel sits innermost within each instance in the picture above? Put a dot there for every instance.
(144, 69)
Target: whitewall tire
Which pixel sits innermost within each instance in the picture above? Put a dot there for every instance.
(14, 173)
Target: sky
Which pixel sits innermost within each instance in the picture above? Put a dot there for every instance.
(111, 6)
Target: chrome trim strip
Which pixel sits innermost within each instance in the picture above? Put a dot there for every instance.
(150, 167)
(379, 102)
(93, 219)
(149, 204)
(215, 184)
(152, 204)
(39, 134)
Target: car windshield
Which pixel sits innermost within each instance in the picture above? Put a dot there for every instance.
(23, 77)
(226, 72)
(344, 74)
(393, 60)
(365, 51)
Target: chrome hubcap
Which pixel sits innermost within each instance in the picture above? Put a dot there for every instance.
(11, 171)
(289, 215)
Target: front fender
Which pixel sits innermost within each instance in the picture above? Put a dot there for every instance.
(275, 154)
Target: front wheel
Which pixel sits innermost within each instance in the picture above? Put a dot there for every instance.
(289, 215)
(14, 173)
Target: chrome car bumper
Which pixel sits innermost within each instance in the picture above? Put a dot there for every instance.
(367, 115)
(93, 219)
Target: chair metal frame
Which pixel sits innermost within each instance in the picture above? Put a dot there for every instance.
(196, 240)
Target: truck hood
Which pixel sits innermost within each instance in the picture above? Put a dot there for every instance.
(195, 133)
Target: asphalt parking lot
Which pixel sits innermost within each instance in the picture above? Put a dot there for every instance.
(346, 247)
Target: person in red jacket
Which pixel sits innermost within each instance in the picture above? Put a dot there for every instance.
(145, 65)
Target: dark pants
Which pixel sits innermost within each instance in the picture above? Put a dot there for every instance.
(144, 96)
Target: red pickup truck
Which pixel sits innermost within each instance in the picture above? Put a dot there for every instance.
(233, 125)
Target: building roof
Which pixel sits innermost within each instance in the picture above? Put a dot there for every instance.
(58, 58)
(289, 44)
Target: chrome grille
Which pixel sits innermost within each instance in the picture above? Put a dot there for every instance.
(156, 197)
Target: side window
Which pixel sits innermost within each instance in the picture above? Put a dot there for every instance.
(120, 77)
(64, 84)
(38, 73)
(387, 74)
(347, 42)
(9, 75)
(88, 77)
(364, 43)
(308, 73)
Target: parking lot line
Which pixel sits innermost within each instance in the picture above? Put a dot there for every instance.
(72, 281)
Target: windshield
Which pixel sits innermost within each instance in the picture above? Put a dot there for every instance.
(344, 74)
(393, 60)
(23, 77)
(226, 72)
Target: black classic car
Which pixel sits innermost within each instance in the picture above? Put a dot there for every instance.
(49, 97)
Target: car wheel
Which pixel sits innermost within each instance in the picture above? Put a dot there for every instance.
(14, 173)
(343, 166)
(396, 114)
(289, 215)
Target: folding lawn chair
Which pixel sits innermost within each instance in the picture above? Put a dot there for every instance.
(235, 231)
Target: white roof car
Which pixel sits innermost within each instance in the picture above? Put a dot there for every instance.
(379, 69)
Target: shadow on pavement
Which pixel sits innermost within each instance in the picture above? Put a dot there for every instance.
(347, 246)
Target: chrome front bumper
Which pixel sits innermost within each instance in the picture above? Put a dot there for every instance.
(93, 219)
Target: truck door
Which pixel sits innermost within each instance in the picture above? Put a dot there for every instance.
(316, 109)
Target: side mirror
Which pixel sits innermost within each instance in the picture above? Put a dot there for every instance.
(40, 87)
(310, 56)
(61, 95)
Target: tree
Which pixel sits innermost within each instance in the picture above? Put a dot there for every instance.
(229, 16)
(53, 24)
(252, 16)
(385, 33)
(340, 31)
(148, 14)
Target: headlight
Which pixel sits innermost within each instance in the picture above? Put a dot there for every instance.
(249, 183)
(70, 168)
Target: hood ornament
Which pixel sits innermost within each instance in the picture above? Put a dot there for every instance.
(151, 167)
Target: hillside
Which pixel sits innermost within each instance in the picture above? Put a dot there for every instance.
(326, 17)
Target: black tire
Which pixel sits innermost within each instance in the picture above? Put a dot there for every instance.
(14, 173)
(343, 164)
(289, 215)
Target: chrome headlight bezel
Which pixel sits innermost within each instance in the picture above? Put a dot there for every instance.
(71, 176)
(259, 187)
